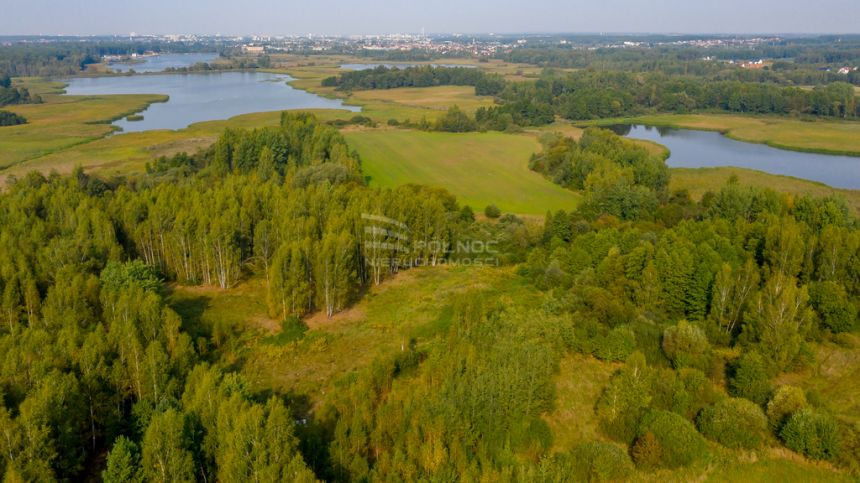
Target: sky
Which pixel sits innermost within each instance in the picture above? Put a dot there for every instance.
(350, 17)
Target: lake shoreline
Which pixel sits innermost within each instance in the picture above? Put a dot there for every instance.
(727, 132)
(694, 148)
(199, 96)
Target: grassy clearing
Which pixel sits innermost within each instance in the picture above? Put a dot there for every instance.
(579, 383)
(832, 137)
(776, 469)
(330, 65)
(413, 305)
(480, 168)
(64, 121)
(834, 377)
(700, 180)
(429, 98)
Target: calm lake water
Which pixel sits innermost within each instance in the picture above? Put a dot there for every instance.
(397, 65)
(203, 97)
(160, 62)
(700, 149)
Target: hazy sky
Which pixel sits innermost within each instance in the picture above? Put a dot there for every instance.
(388, 16)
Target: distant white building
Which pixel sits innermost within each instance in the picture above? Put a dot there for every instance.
(847, 70)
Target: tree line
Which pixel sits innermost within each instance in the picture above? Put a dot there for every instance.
(810, 61)
(49, 59)
(584, 95)
(383, 77)
(617, 176)
(14, 95)
(594, 95)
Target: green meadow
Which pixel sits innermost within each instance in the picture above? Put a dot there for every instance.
(480, 168)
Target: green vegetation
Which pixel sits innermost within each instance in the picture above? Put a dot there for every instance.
(618, 177)
(426, 76)
(812, 434)
(270, 298)
(14, 95)
(734, 423)
(479, 168)
(11, 119)
(699, 181)
(62, 122)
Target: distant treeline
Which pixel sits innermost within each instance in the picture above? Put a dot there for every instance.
(424, 76)
(805, 62)
(69, 58)
(590, 94)
(594, 95)
(13, 95)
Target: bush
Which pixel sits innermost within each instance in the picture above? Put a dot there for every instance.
(687, 346)
(786, 401)
(625, 400)
(684, 392)
(812, 434)
(492, 211)
(11, 119)
(749, 379)
(667, 440)
(455, 120)
(617, 345)
(466, 214)
(734, 423)
(598, 461)
(833, 306)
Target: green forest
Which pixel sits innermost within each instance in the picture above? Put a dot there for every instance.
(584, 95)
(702, 306)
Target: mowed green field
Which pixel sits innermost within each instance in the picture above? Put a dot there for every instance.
(480, 168)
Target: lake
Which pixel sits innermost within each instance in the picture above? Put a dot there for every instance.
(161, 62)
(700, 149)
(398, 65)
(203, 97)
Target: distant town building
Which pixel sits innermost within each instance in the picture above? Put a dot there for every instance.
(254, 49)
(758, 64)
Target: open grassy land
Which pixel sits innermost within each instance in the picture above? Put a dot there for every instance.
(834, 377)
(700, 180)
(831, 137)
(480, 168)
(414, 305)
(63, 121)
(430, 98)
(330, 64)
(384, 104)
(579, 383)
